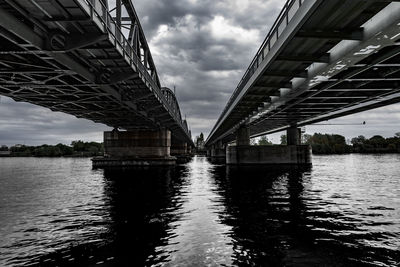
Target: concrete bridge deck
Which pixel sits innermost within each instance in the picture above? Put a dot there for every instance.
(321, 60)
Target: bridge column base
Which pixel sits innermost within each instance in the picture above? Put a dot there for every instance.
(218, 155)
(181, 151)
(107, 162)
(252, 155)
(136, 148)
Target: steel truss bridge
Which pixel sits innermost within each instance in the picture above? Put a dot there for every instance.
(322, 59)
(88, 58)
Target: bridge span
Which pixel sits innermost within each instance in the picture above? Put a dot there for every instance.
(90, 59)
(320, 60)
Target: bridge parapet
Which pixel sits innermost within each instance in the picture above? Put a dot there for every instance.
(173, 102)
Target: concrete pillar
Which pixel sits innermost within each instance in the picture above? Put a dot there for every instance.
(293, 135)
(136, 147)
(212, 151)
(218, 152)
(179, 148)
(220, 145)
(181, 151)
(137, 143)
(292, 154)
(243, 136)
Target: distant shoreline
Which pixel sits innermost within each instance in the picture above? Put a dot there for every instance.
(76, 149)
(359, 153)
(91, 156)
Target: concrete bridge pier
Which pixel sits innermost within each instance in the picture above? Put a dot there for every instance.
(208, 151)
(292, 154)
(181, 151)
(293, 136)
(243, 136)
(218, 153)
(140, 147)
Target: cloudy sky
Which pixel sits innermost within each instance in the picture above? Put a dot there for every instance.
(203, 48)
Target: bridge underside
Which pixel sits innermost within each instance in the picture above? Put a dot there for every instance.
(73, 56)
(331, 60)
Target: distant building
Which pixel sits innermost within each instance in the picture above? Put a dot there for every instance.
(200, 142)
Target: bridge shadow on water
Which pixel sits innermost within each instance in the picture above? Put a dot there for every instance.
(266, 213)
(137, 200)
(276, 223)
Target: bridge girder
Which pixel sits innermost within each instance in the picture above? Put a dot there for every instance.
(339, 58)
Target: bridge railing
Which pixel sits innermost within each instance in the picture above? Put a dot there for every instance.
(102, 17)
(171, 99)
(285, 16)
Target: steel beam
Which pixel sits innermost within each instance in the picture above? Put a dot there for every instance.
(357, 35)
(120, 77)
(324, 58)
(286, 73)
(72, 41)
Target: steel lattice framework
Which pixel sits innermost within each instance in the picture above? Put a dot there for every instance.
(88, 58)
(173, 103)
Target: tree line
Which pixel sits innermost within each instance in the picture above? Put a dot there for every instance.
(76, 149)
(336, 144)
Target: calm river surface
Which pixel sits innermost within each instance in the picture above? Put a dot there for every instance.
(344, 211)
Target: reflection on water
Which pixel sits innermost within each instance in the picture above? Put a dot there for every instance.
(345, 211)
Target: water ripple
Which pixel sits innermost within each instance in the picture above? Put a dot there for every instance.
(345, 211)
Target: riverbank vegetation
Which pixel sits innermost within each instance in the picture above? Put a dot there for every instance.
(337, 144)
(262, 141)
(76, 149)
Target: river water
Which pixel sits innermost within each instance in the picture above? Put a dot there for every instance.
(344, 211)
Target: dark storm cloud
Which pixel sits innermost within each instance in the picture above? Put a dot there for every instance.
(252, 14)
(204, 47)
(155, 13)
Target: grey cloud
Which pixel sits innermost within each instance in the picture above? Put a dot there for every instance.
(156, 13)
(206, 53)
(193, 59)
(259, 14)
(23, 123)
